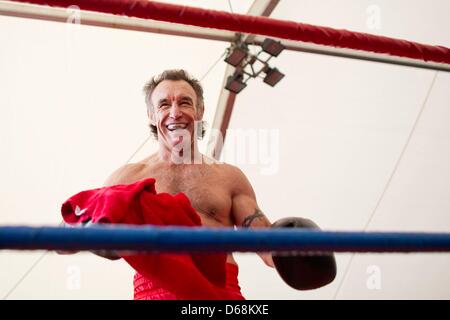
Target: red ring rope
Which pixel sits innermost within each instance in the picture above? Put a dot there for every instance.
(259, 25)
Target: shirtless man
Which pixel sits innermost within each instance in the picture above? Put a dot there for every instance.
(219, 192)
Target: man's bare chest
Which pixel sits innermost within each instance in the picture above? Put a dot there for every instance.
(206, 188)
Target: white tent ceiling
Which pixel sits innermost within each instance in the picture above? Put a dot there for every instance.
(361, 145)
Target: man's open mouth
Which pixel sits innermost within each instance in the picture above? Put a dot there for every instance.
(176, 126)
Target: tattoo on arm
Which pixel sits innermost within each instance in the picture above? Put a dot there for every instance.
(248, 220)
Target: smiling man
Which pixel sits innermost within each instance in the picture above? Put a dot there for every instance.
(219, 192)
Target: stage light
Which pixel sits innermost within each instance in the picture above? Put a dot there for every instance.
(250, 65)
(272, 47)
(236, 56)
(235, 83)
(273, 76)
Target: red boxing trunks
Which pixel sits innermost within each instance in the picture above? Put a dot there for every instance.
(146, 289)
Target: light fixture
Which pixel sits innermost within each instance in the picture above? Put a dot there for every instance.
(272, 47)
(250, 65)
(273, 76)
(236, 56)
(235, 82)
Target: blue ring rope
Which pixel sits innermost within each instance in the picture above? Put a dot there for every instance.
(200, 239)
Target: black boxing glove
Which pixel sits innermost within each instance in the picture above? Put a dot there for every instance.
(301, 271)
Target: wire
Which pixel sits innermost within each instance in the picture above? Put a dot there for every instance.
(388, 183)
(138, 149)
(212, 67)
(231, 8)
(25, 275)
(38, 260)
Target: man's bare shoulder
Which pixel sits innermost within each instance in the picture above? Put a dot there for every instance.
(238, 178)
(210, 160)
(232, 170)
(125, 174)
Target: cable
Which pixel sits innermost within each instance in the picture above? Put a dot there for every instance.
(231, 8)
(138, 149)
(38, 260)
(25, 275)
(212, 67)
(400, 158)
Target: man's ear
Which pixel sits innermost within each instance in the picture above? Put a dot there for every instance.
(151, 116)
(200, 112)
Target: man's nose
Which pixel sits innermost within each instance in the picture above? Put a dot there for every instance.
(175, 111)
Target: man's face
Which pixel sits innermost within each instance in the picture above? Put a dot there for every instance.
(174, 111)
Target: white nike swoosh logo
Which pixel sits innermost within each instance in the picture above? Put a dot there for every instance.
(78, 211)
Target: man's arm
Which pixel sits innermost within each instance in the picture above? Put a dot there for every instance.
(299, 271)
(245, 210)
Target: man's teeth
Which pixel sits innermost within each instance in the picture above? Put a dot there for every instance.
(176, 126)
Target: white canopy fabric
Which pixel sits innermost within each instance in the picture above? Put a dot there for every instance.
(353, 145)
